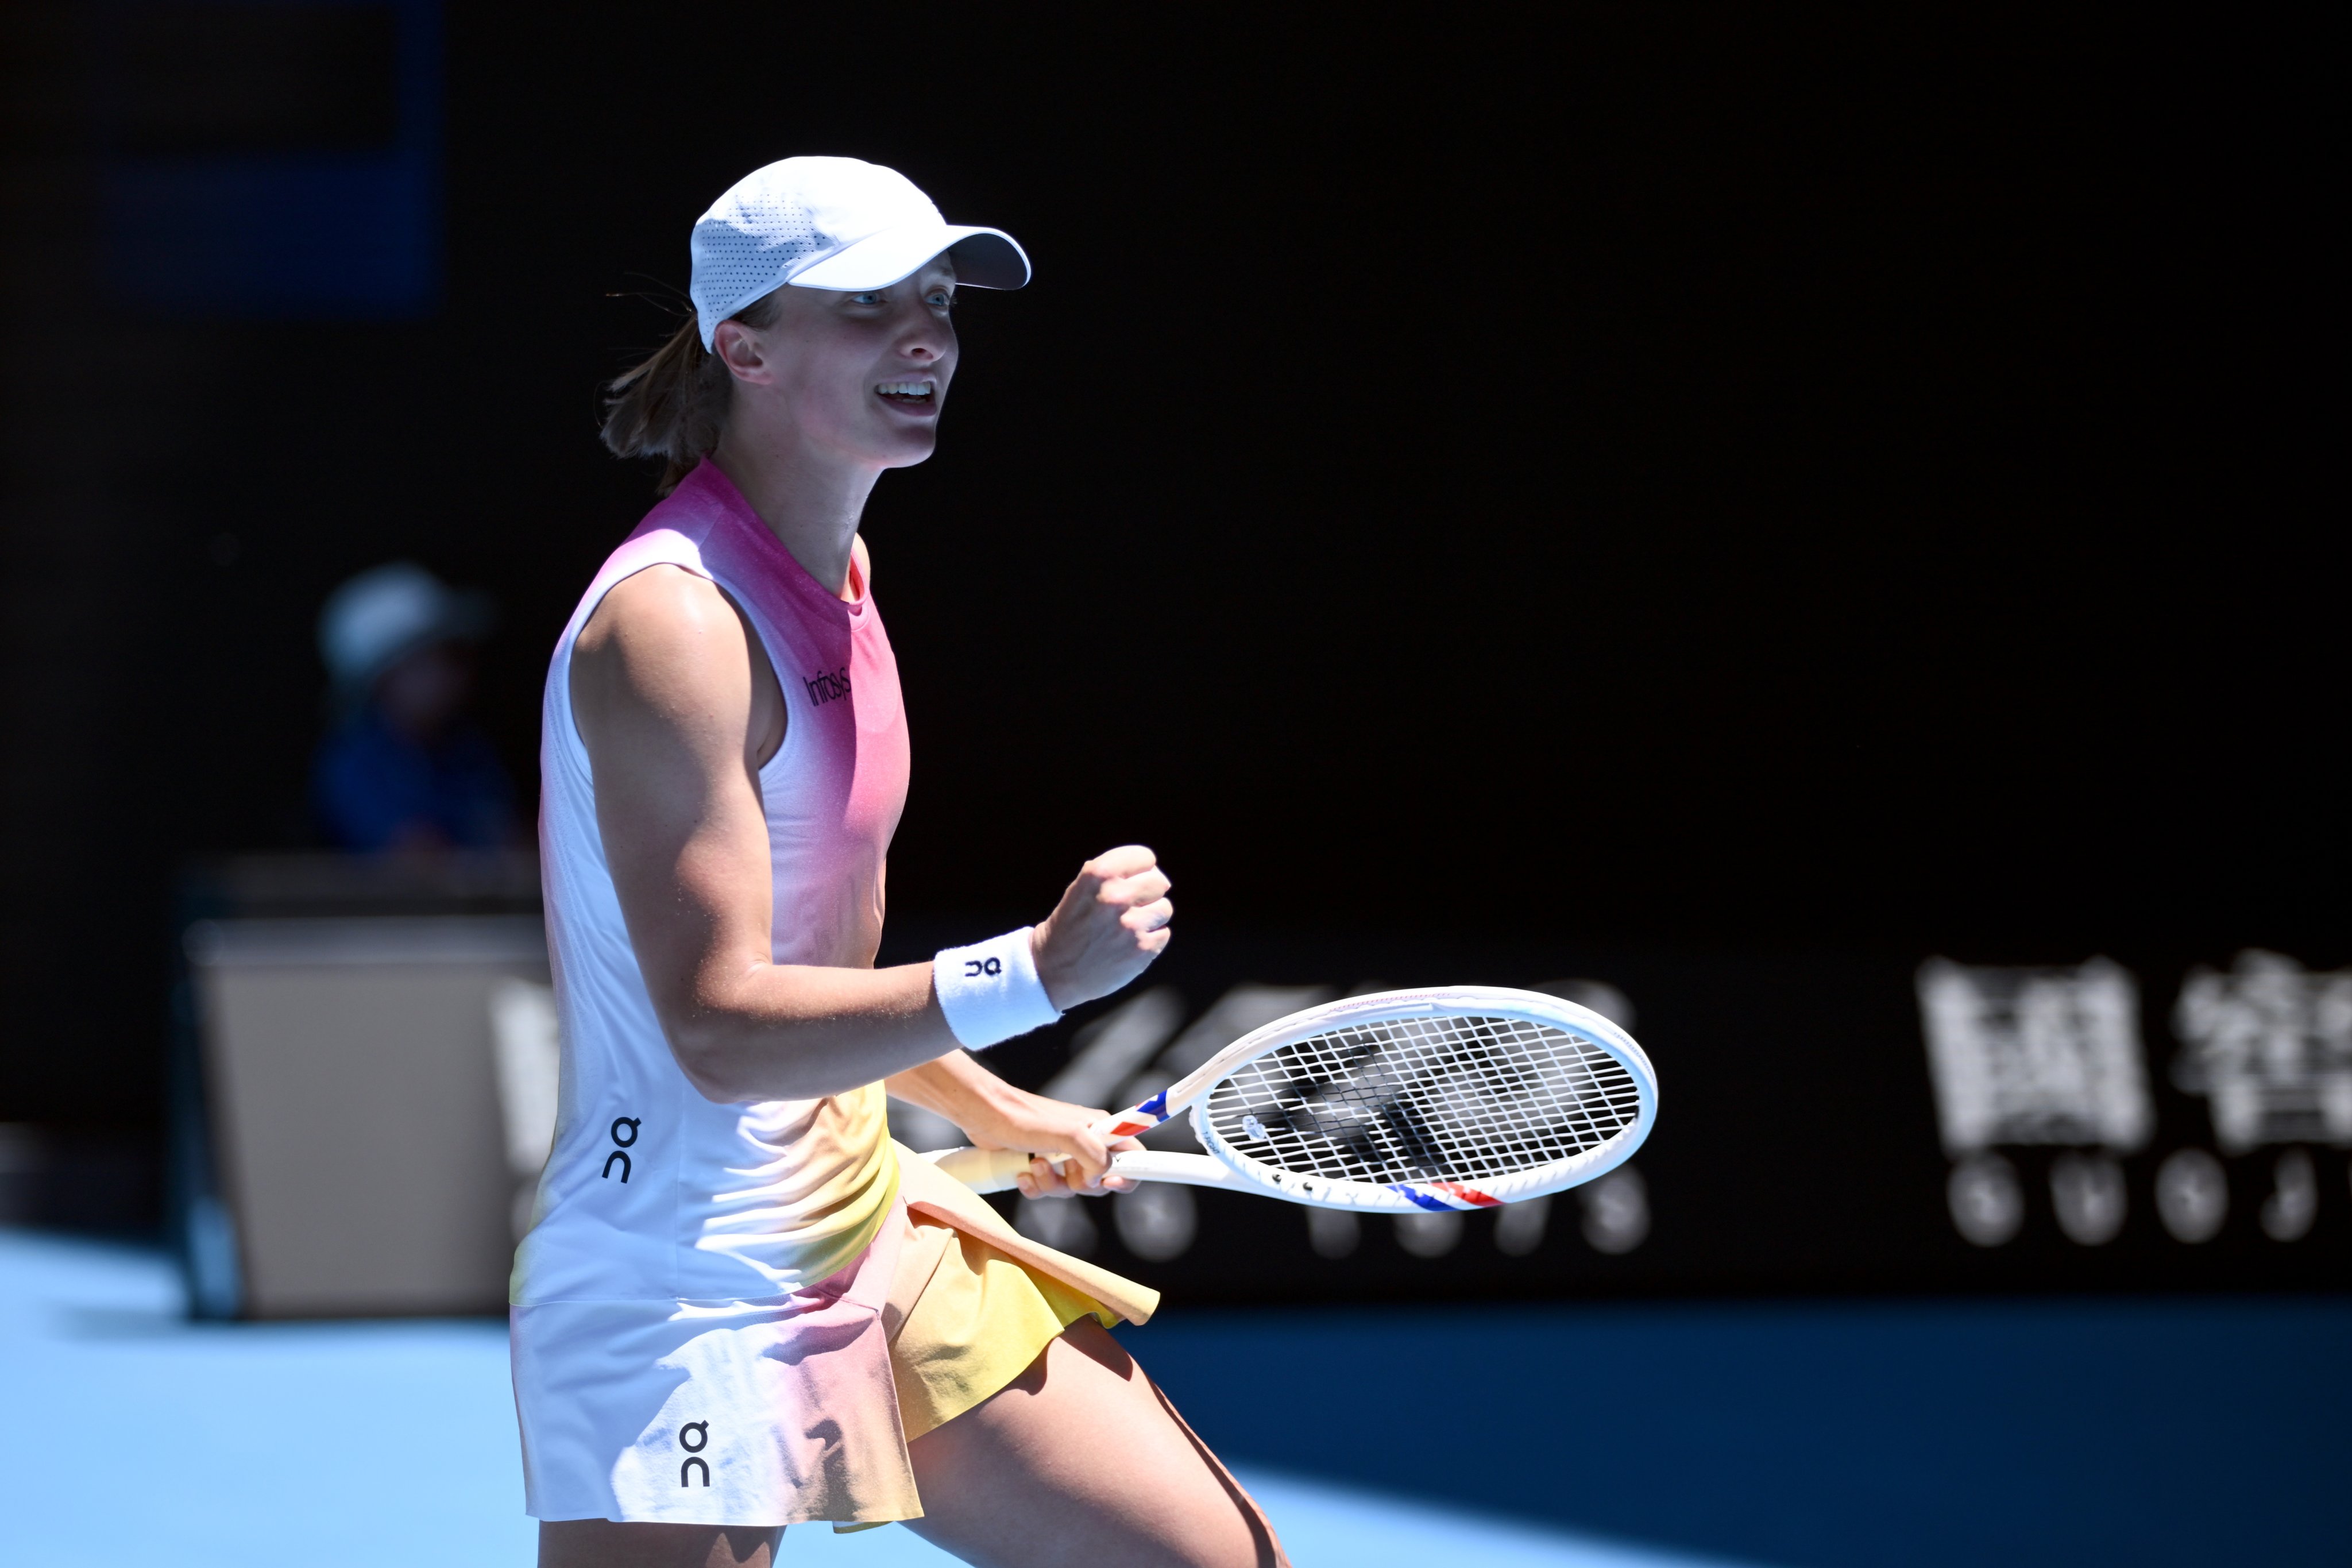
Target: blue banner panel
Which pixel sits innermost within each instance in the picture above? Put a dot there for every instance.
(274, 162)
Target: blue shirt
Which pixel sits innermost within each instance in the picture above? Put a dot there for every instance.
(372, 786)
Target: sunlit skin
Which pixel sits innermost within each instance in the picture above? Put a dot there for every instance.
(810, 430)
(679, 708)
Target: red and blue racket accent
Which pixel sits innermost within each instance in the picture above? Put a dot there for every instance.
(1143, 1119)
(1445, 1197)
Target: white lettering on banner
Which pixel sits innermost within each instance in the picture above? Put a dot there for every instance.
(2192, 1195)
(2268, 1044)
(1519, 1226)
(1616, 1211)
(1333, 1233)
(1988, 1207)
(2293, 1202)
(1156, 1221)
(2035, 1055)
(2087, 1192)
(1061, 1223)
(1429, 1235)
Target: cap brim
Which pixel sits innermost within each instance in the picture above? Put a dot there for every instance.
(984, 259)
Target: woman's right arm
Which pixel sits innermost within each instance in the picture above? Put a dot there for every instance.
(679, 710)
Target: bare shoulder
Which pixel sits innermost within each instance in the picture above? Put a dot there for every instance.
(665, 636)
(657, 607)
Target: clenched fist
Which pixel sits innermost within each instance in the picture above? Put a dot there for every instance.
(1111, 923)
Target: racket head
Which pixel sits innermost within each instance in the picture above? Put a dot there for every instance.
(1445, 1098)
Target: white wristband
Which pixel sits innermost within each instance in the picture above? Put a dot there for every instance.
(990, 991)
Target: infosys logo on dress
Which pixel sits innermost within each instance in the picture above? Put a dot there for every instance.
(823, 688)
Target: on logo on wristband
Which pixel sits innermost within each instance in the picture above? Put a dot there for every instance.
(991, 991)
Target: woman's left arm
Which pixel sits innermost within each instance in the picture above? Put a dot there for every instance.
(995, 1115)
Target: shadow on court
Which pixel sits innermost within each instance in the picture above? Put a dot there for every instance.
(2189, 1431)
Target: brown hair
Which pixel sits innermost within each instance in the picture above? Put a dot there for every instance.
(672, 404)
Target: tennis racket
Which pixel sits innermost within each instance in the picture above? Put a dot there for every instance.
(1455, 1096)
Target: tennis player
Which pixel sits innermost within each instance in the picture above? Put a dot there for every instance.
(741, 1305)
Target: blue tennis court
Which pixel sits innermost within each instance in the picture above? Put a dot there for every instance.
(1613, 1436)
(208, 1446)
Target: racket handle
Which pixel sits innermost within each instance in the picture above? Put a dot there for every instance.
(993, 1170)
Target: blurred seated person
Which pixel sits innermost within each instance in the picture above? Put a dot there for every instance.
(403, 768)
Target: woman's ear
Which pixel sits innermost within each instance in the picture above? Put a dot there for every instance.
(740, 349)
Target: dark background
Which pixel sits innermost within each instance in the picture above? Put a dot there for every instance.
(1653, 481)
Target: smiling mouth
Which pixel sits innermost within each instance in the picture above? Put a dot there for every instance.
(918, 396)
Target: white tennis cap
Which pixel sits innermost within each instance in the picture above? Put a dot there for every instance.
(831, 223)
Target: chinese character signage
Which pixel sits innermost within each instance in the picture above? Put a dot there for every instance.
(2055, 1057)
(2122, 1117)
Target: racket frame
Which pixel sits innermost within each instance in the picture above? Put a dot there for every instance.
(1407, 1197)
(990, 1170)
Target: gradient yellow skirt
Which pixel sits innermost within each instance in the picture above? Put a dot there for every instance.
(964, 1320)
(973, 1301)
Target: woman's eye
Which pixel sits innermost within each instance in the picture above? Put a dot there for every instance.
(941, 300)
(866, 297)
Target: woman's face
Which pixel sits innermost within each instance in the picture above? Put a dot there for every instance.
(859, 376)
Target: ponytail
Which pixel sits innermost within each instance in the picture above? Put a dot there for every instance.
(673, 405)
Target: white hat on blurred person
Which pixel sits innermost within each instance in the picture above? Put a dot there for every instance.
(374, 619)
(831, 223)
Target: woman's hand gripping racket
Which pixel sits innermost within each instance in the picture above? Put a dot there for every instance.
(1455, 1096)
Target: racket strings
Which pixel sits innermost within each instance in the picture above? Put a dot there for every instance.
(1443, 1098)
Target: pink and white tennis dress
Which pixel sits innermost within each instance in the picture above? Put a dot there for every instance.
(697, 1308)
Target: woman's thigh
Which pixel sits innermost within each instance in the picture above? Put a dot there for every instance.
(601, 1543)
(1080, 1460)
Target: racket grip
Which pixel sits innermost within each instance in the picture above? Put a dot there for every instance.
(982, 1169)
(993, 1170)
